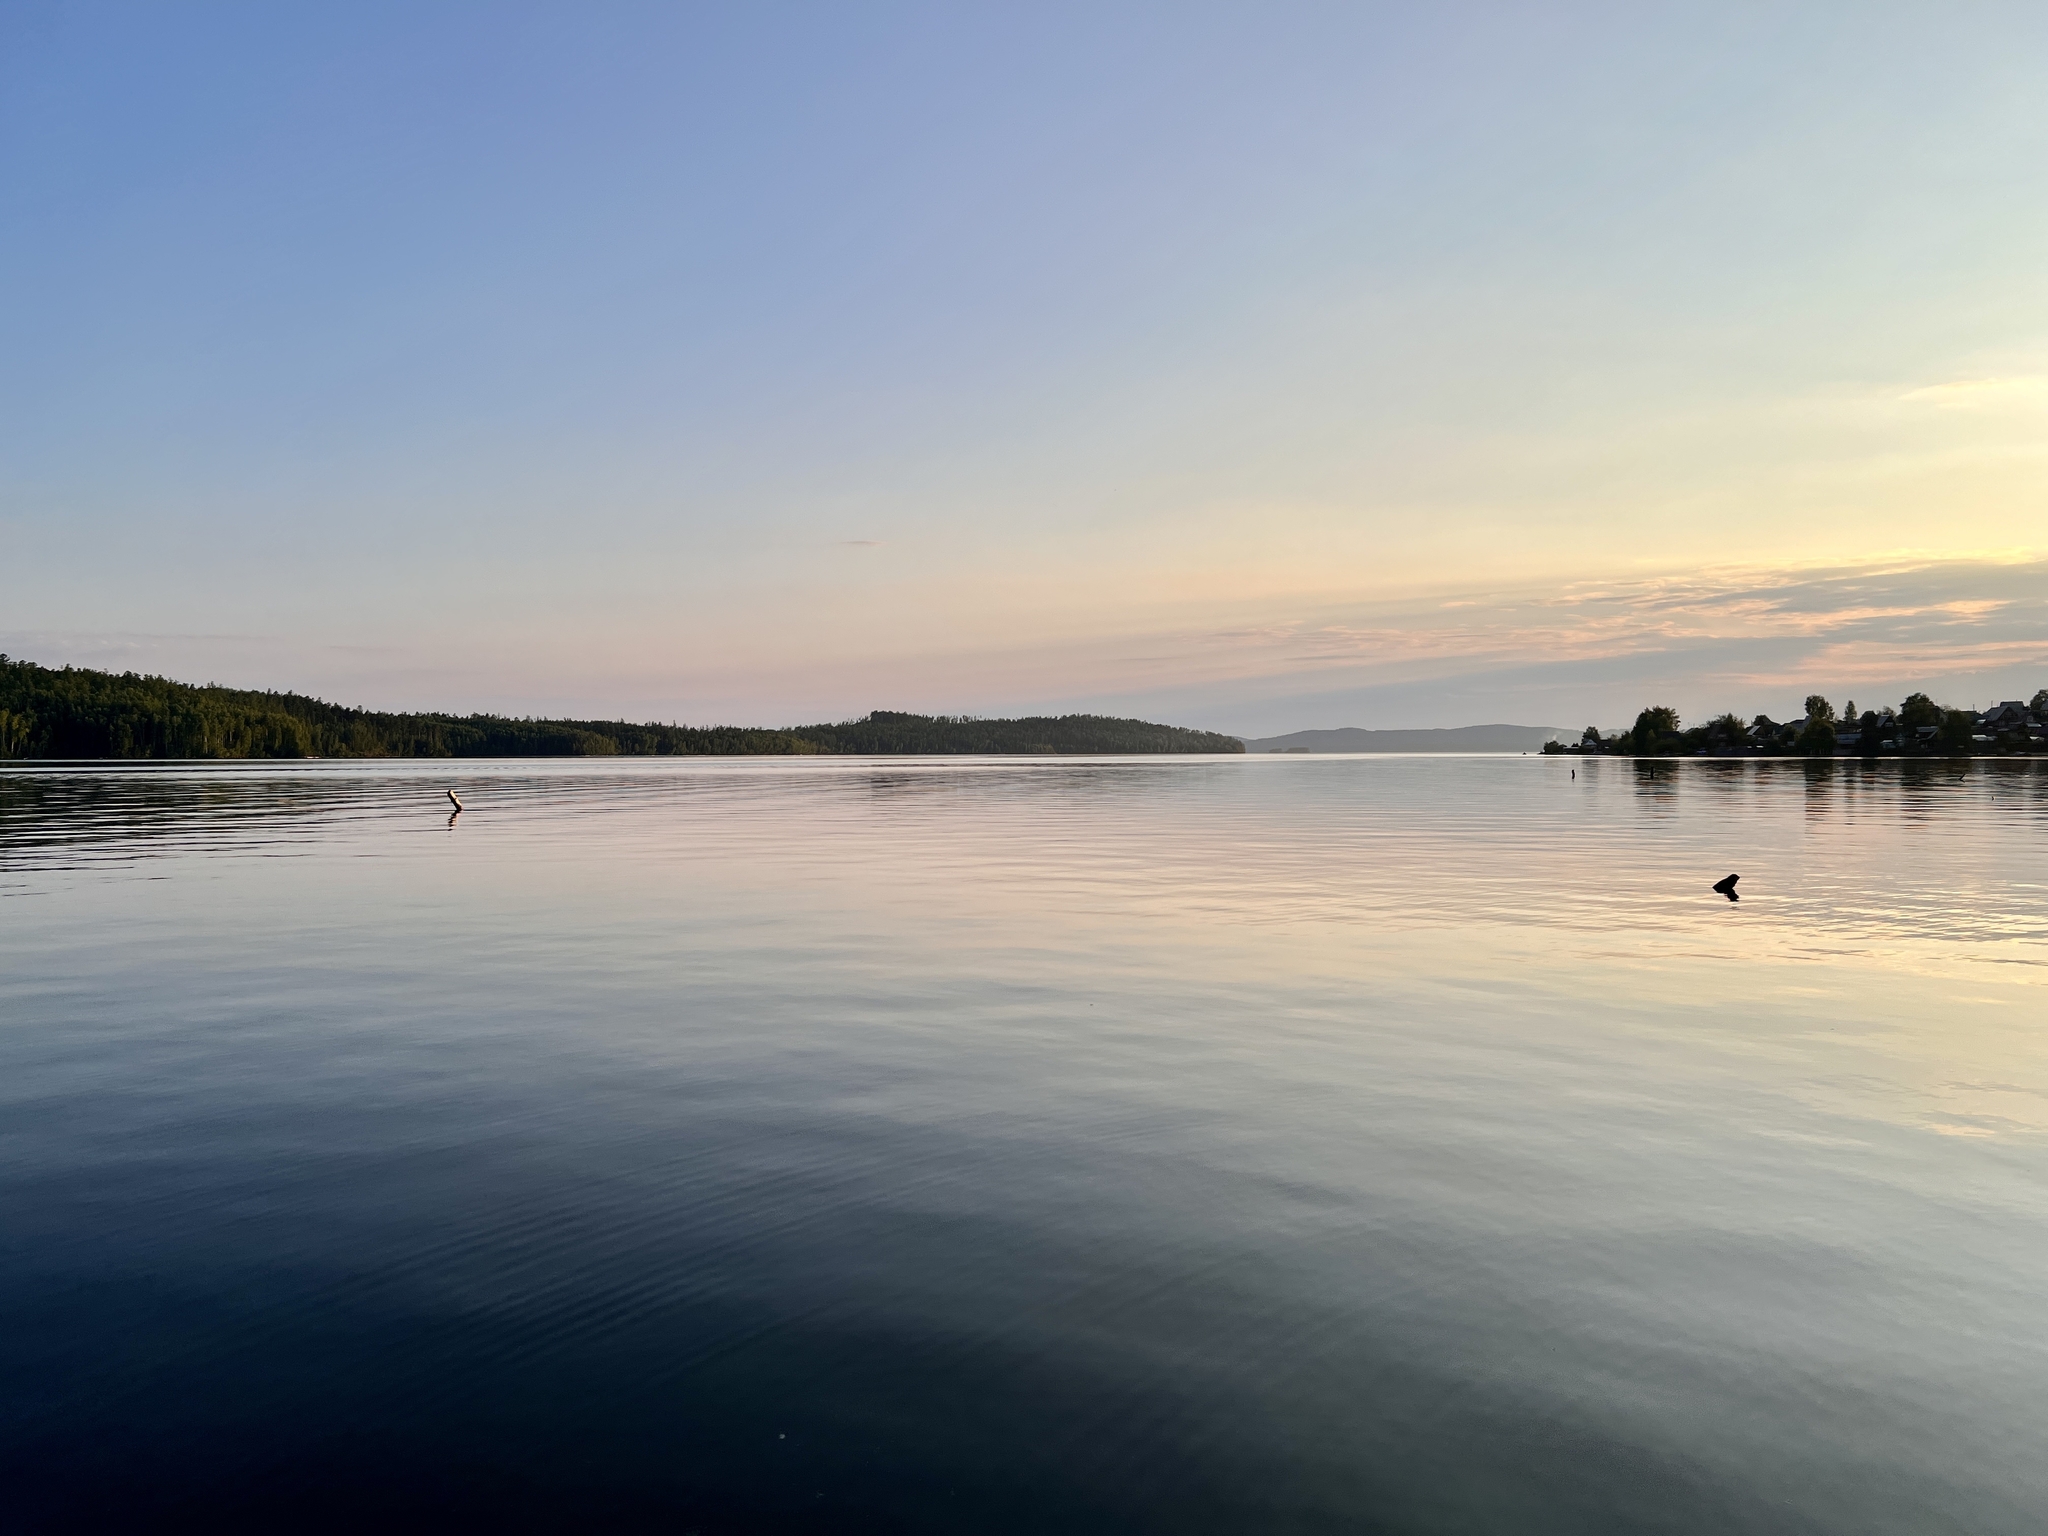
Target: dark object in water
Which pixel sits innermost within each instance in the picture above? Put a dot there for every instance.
(1727, 887)
(458, 806)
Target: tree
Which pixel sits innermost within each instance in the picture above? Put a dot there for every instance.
(79, 713)
(1818, 739)
(1919, 710)
(1727, 731)
(1658, 720)
(1653, 733)
(1818, 708)
(2039, 705)
(1957, 727)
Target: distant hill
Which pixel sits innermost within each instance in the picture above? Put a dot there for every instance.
(1463, 738)
(887, 732)
(74, 712)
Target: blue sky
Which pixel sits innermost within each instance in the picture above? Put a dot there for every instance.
(1254, 367)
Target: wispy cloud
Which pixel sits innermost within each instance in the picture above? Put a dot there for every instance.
(1611, 618)
(2019, 391)
(1729, 637)
(1741, 637)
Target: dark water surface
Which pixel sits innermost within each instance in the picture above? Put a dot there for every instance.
(1276, 1145)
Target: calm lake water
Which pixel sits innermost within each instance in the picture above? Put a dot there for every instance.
(1256, 1145)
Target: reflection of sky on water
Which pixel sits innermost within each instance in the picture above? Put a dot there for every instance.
(1233, 1145)
(1838, 855)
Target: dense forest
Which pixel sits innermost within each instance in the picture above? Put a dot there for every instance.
(1917, 728)
(73, 712)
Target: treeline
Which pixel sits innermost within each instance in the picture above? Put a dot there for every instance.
(887, 731)
(75, 712)
(1918, 727)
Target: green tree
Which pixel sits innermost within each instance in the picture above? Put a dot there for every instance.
(1818, 739)
(1653, 725)
(1957, 727)
(75, 712)
(1919, 710)
(1818, 708)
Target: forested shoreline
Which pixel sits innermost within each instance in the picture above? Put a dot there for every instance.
(77, 712)
(1917, 728)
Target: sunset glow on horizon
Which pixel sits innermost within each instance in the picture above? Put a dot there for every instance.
(1254, 369)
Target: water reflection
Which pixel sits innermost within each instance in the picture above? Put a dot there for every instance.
(1656, 783)
(1310, 1145)
(1400, 844)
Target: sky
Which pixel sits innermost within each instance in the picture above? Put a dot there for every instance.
(1252, 367)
